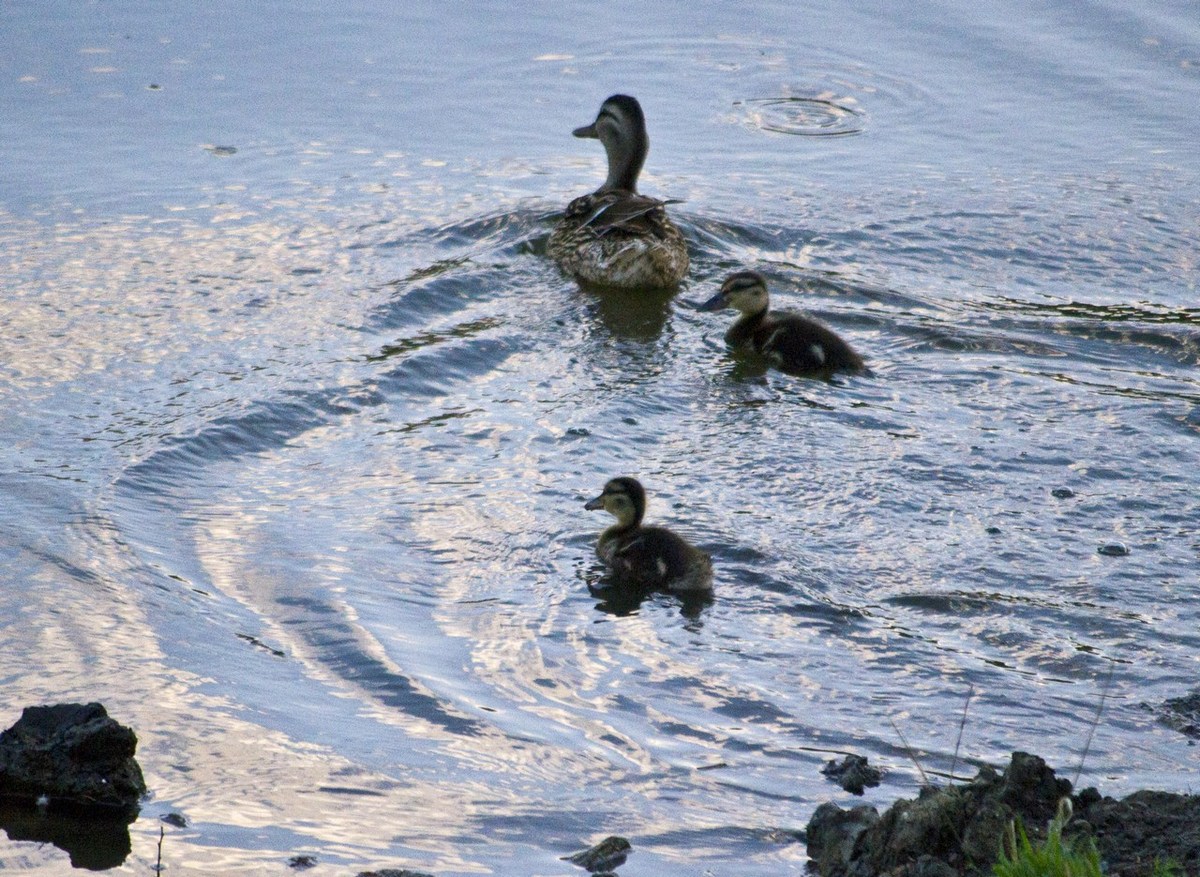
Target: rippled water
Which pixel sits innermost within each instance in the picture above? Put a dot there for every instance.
(299, 420)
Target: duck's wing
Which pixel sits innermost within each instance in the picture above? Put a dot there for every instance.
(603, 212)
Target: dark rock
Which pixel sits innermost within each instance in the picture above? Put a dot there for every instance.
(928, 866)
(302, 862)
(832, 834)
(959, 826)
(1182, 714)
(908, 829)
(68, 777)
(852, 774)
(1114, 549)
(610, 853)
(176, 819)
(71, 756)
(1087, 797)
(1062, 493)
(1030, 789)
(1146, 826)
(958, 830)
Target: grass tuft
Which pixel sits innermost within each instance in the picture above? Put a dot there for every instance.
(1167, 868)
(1053, 857)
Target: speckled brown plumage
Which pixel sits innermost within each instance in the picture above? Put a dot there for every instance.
(615, 236)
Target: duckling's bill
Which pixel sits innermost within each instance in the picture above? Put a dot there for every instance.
(716, 303)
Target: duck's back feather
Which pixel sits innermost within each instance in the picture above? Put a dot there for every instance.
(655, 557)
(796, 342)
(625, 211)
(619, 238)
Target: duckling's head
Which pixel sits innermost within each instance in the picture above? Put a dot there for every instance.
(621, 127)
(745, 290)
(623, 498)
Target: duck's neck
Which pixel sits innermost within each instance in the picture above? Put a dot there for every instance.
(625, 160)
(627, 524)
(743, 329)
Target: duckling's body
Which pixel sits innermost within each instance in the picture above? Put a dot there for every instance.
(651, 557)
(791, 341)
(614, 236)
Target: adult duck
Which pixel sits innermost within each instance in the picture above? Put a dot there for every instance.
(616, 237)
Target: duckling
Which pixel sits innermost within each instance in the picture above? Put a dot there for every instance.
(614, 236)
(791, 341)
(646, 556)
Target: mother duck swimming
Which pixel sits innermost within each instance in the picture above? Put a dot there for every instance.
(614, 236)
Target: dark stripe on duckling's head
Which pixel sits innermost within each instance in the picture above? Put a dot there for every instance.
(624, 498)
(745, 290)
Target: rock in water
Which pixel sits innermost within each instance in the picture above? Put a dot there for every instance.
(605, 856)
(70, 755)
(853, 774)
(957, 825)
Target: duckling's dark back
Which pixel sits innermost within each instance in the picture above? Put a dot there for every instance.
(656, 557)
(799, 343)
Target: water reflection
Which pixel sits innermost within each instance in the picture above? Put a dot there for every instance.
(621, 600)
(93, 844)
(639, 315)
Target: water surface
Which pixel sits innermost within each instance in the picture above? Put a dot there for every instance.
(299, 420)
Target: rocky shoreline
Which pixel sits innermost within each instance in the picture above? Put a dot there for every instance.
(958, 829)
(68, 776)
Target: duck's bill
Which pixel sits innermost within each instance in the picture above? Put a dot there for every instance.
(593, 504)
(586, 131)
(715, 303)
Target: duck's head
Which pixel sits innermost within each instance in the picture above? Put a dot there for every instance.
(621, 127)
(623, 498)
(746, 291)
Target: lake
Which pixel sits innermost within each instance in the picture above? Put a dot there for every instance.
(299, 419)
